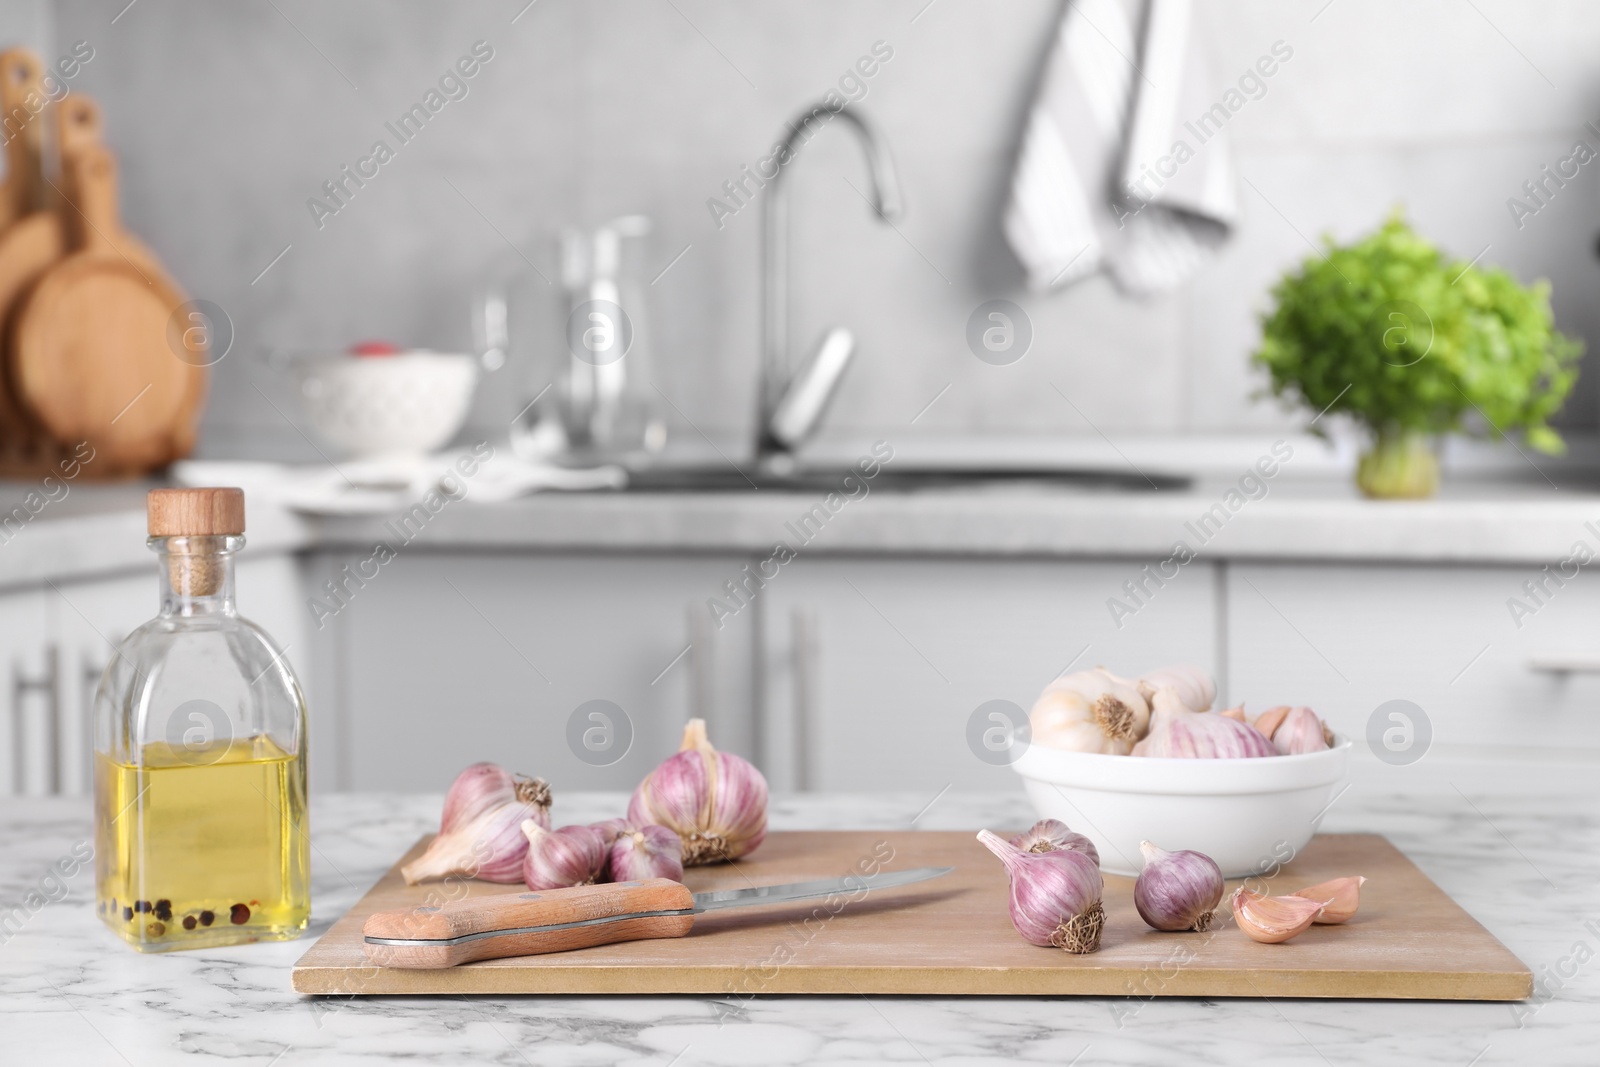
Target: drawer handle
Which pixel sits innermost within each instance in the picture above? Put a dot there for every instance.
(1550, 663)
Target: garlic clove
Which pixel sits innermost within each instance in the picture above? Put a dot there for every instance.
(611, 828)
(1271, 920)
(644, 852)
(1049, 835)
(1177, 890)
(1300, 732)
(1269, 721)
(1176, 731)
(479, 831)
(715, 801)
(1343, 896)
(1055, 896)
(1236, 713)
(1194, 686)
(559, 859)
(1090, 711)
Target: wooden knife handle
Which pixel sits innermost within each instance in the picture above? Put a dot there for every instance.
(513, 911)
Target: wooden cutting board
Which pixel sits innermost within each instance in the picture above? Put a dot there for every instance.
(953, 935)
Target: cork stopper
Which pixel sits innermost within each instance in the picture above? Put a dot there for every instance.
(195, 512)
(195, 569)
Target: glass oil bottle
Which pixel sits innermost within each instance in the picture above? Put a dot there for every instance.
(201, 834)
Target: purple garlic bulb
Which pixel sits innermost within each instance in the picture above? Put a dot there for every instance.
(558, 859)
(643, 852)
(1055, 896)
(1177, 890)
(1052, 835)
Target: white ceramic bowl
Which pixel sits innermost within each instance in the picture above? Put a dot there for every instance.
(1244, 813)
(373, 407)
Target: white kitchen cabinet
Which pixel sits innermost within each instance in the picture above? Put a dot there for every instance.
(1346, 638)
(58, 639)
(29, 701)
(442, 659)
(871, 668)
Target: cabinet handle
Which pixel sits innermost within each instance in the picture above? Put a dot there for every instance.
(81, 780)
(48, 684)
(802, 675)
(1554, 663)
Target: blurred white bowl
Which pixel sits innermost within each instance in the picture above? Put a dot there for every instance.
(1244, 813)
(378, 407)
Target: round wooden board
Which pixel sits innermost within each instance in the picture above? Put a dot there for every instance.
(92, 361)
(90, 357)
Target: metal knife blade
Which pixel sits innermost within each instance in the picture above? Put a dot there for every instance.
(824, 887)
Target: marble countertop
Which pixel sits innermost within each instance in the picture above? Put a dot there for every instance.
(100, 529)
(1517, 845)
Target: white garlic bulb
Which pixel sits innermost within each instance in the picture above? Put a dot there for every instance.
(1193, 685)
(1090, 711)
(1301, 731)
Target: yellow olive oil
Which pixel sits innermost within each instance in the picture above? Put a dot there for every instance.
(203, 845)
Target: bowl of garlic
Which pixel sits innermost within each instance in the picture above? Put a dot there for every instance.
(1126, 761)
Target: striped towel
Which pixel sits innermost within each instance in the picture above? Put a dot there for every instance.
(1113, 175)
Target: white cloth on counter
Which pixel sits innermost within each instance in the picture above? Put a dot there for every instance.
(378, 487)
(1124, 165)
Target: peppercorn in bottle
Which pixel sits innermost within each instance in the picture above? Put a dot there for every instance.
(201, 835)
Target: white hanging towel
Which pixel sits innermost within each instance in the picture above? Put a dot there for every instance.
(1125, 164)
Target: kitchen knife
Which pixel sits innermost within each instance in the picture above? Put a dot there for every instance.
(555, 920)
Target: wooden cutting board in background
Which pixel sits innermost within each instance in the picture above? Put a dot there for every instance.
(90, 357)
(953, 935)
(23, 214)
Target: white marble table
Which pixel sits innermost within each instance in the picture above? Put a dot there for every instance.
(1519, 848)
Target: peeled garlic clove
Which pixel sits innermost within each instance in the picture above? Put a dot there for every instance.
(716, 802)
(480, 832)
(1270, 920)
(1269, 721)
(645, 852)
(1236, 713)
(1193, 685)
(1343, 896)
(1055, 896)
(1300, 732)
(558, 859)
(1090, 711)
(1051, 835)
(1178, 732)
(1177, 890)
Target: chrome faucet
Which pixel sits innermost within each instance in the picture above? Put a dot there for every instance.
(792, 400)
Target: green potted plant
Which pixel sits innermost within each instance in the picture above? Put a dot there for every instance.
(1412, 345)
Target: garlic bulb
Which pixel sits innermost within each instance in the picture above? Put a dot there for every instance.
(1177, 890)
(1051, 835)
(646, 852)
(1269, 721)
(1055, 896)
(480, 832)
(610, 828)
(1194, 686)
(716, 801)
(1273, 919)
(1176, 731)
(1301, 731)
(558, 859)
(1090, 711)
(1343, 896)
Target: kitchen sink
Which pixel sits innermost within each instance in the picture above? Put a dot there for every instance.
(731, 479)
